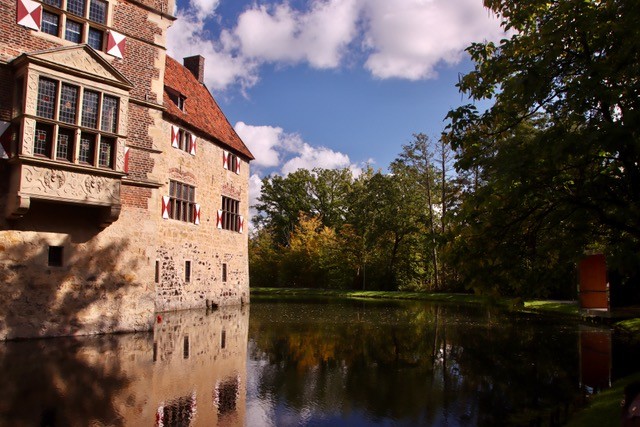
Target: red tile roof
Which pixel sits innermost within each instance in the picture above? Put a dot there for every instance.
(202, 114)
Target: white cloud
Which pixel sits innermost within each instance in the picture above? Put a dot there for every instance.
(409, 38)
(280, 34)
(223, 67)
(262, 140)
(404, 39)
(276, 149)
(309, 157)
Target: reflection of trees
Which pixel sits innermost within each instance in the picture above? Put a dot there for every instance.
(415, 363)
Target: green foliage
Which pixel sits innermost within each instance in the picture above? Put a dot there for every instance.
(556, 159)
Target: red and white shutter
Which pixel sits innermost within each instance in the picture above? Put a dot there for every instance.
(126, 159)
(115, 44)
(166, 206)
(175, 136)
(219, 219)
(238, 165)
(196, 214)
(5, 140)
(240, 224)
(29, 14)
(192, 145)
(225, 159)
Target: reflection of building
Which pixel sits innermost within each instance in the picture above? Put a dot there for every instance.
(123, 188)
(199, 367)
(190, 371)
(595, 358)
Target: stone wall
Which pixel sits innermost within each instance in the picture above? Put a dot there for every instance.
(206, 246)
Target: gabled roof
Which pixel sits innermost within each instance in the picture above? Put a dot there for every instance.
(201, 112)
(81, 60)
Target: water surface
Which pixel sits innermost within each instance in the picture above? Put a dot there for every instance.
(314, 364)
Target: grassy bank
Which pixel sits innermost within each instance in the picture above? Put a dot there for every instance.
(604, 409)
(310, 294)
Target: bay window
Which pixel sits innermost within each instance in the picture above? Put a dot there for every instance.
(75, 130)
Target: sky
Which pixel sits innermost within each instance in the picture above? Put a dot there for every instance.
(331, 83)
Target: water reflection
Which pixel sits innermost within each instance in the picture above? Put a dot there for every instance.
(362, 364)
(414, 365)
(190, 371)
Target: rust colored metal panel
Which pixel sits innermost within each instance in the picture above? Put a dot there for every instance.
(594, 289)
(595, 359)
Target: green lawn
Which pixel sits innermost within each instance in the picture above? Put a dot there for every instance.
(604, 409)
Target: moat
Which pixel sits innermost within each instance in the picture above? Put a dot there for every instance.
(316, 364)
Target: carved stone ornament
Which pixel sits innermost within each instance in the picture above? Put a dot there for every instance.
(69, 186)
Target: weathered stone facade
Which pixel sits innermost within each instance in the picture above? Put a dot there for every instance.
(93, 236)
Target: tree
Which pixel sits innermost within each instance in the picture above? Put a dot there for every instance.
(558, 153)
(417, 157)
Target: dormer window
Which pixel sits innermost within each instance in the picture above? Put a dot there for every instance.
(178, 99)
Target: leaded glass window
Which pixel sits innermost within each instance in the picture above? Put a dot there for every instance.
(90, 109)
(46, 98)
(109, 114)
(98, 11)
(68, 103)
(43, 138)
(73, 31)
(105, 155)
(87, 143)
(95, 38)
(50, 23)
(64, 150)
(76, 7)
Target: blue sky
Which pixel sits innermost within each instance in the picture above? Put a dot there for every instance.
(331, 83)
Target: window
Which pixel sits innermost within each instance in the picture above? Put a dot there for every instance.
(55, 256)
(105, 156)
(47, 90)
(224, 272)
(180, 103)
(92, 148)
(184, 140)
(50, 23)
(68, 103)
(223, 339)
(73, 31)
(232, 162)
(109, 114)
(157, 275)
(42, 142)
(90, 109)
(85, 154)
(95, 38)
(230, 214)
(64, 150)
(187, 271)
(82, 21)
(98, 11)
(76, 7)
(181, 201)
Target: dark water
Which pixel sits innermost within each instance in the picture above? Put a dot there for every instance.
(295, 364)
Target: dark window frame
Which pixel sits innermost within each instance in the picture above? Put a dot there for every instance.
(230, 214)
(182, 201)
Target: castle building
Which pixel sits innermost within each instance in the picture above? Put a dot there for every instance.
(123, 187)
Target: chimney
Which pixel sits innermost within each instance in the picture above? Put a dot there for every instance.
(195, 64)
